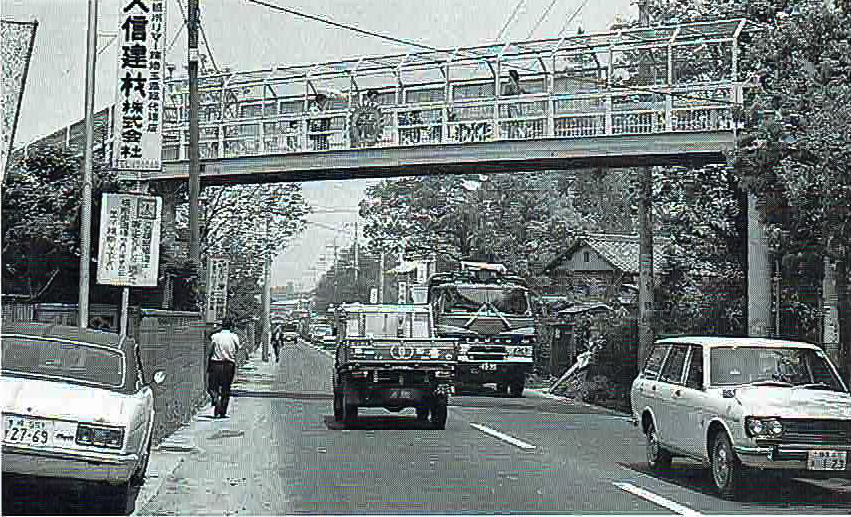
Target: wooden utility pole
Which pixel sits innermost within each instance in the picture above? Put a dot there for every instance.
(759, 273)
(194, 159)
(646, 305)
(88, 165)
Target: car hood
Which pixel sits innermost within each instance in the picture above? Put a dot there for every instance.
(794, 402)
(64, 401)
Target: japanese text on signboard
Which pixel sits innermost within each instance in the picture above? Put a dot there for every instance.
(217, 289)
(129, 240)
(139, 96)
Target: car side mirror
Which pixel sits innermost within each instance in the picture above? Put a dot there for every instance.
(159, 377)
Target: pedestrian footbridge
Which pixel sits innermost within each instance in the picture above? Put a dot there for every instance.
(620, 98)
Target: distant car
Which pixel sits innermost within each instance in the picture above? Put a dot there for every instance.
(75, 405)
(323, 335)
(290, 332)
(743, 403)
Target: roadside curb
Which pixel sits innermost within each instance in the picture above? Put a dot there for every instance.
(567, 400)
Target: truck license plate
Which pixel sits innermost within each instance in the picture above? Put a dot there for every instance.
(488, 367)
(827, 460)
(401, 394)
(29, 431)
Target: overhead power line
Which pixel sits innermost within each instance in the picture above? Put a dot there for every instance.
(542, 18)
(510, 20)
(339, 25)
(572, 17)
(403, 41)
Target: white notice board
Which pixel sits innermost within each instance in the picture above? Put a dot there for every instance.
(129, 251)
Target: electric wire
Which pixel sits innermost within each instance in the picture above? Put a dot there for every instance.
(510, 20)
(541, 19)
(403, 41)
(572, 17)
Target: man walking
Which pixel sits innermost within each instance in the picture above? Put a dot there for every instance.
(277, 340)
(222, 367)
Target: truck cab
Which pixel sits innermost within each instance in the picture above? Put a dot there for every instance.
(388, 356)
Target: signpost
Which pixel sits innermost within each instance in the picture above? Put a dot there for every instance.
(217, 290)
(129, 251)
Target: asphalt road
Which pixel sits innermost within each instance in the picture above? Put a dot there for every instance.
(281, 452)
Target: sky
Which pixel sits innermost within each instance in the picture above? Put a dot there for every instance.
(246, 36)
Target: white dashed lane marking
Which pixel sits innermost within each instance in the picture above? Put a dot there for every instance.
(502, 436)
(658, 500)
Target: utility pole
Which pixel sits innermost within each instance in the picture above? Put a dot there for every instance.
(267, 298)
(194, 165)
(381, 277)
(646, 306)
(357, 264)
(88, 164)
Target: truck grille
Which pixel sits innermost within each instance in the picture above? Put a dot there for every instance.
(487, 353)
(817, 432)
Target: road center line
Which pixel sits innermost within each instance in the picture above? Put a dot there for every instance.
(658, 500)
(502, 436)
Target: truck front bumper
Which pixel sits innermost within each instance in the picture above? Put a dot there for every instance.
(496, 371)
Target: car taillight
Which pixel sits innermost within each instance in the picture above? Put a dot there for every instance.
(99, 436)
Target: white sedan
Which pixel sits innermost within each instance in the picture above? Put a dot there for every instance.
(75, 405)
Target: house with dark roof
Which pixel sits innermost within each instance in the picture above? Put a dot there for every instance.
(598, 267)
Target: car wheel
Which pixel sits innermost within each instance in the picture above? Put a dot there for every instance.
(138, 478)
(516, 387)
(422, 413)
(726, 468)
(657, 457)
(439, 413)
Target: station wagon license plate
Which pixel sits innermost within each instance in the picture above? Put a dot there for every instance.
(27, 431)
(827, 460)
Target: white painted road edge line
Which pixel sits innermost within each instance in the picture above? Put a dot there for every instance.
(510, 439)
(658, 500)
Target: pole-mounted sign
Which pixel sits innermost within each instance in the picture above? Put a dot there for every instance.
(139, 94)
(217, 290)
(129, 251)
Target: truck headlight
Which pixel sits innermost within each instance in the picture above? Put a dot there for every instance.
(763, 427)
(99, 436)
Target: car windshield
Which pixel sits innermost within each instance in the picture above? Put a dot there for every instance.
(507, 300)
(793, 367)
(74, 362)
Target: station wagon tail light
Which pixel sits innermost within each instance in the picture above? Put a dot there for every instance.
(763, 427)
(99, 436)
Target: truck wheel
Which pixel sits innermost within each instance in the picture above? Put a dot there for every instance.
(350, 412)
(338, 407)
(438, 413)
(422, 413)
(516, 387)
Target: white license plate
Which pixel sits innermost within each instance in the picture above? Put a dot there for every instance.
(401, 394)
(27, 431)
(488, 367)
(827, 460)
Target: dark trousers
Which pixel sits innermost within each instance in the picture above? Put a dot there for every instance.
(276, 345)
(220, 378)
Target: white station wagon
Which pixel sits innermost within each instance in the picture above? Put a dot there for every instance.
(743, 403)
(75, 405)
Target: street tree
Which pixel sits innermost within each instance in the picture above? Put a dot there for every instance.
(41, 222)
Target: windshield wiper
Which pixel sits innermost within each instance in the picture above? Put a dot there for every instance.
(816, 386)
(773, 383)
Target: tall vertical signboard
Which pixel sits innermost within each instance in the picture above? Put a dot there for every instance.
(217, 290)
(139, 97)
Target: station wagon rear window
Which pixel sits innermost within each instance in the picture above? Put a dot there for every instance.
(63, 360)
